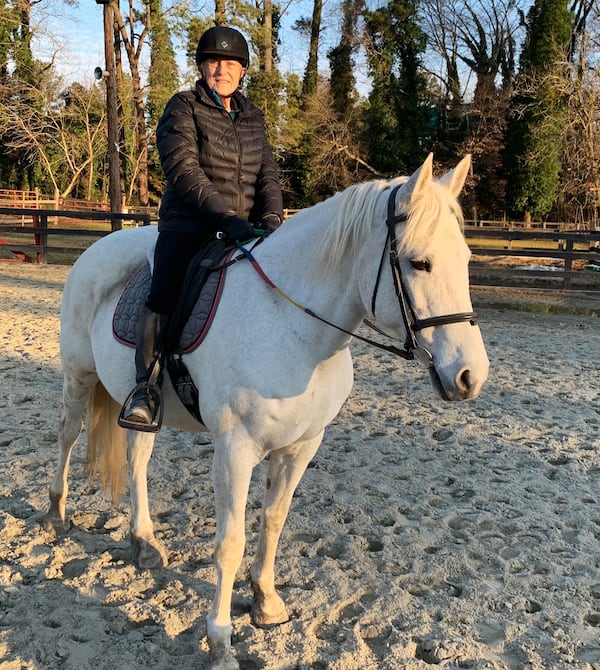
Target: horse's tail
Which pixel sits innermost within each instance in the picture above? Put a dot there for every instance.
(106, 443)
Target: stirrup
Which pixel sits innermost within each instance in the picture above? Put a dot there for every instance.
(155, 392)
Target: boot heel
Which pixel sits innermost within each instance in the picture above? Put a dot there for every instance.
(156, 395)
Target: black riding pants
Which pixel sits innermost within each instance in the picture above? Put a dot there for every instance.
(172, 256)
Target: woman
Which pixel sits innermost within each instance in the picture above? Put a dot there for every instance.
(221, 176)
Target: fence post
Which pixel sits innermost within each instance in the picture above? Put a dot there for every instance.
(568, 266)
(41, 238)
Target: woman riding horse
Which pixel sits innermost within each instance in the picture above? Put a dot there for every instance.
(220, 174)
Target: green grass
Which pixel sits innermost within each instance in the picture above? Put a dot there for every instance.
(538, 308)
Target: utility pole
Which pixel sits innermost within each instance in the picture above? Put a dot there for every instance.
(112, 118)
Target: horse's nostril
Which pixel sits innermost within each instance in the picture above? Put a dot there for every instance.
(465, 381)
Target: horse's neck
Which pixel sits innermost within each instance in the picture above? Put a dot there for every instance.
(291, 258)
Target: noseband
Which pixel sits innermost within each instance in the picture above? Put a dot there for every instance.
(412, 324)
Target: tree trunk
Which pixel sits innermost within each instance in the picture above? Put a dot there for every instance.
(267, 64)
(309, 85)
(133, 51)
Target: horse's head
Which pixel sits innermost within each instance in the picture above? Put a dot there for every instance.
(423, 293)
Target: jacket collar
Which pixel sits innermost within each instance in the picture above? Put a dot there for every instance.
(212, 97)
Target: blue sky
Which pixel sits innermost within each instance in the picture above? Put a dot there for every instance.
(75, 37)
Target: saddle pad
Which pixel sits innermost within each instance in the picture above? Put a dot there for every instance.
(134, 296)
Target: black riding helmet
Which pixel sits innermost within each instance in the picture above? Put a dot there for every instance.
(223, 42)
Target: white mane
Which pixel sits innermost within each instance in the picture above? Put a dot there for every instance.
(352, 222)
(353, 219)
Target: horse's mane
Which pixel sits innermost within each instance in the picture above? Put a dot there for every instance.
(353, 218)
(351, 223)
(425, 216)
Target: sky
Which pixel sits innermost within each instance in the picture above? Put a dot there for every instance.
(74, 37)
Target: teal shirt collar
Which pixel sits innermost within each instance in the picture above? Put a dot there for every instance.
(217, 98)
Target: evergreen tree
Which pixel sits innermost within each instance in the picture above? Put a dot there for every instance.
(537, 113)
(309, 84)
(18, 73)
(300, 164)
(399, 132)
(341, 63)
(163, 83)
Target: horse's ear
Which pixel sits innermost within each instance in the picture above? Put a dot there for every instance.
(421, 178)
(455, 179)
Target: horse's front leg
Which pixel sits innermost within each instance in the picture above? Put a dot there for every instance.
(76, 391)
(286, 467)
(233, 462)
(149, 552)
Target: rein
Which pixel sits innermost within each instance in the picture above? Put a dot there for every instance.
(412, 351)
(261, 273)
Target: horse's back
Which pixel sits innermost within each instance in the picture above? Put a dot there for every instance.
(110, 261)
(95, 284)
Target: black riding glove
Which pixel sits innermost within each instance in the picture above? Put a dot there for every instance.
(270, 222)
(237, 229)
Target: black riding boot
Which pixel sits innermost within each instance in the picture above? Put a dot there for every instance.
(141, 406)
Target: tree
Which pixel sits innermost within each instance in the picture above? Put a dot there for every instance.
(398, 120)
(162, 84)
(537, 113)
(18, 72)
(265, 83)
(132, 35)
(61, 132)
(309, 84)
(487, 30)
(441, 24)
(341, 63)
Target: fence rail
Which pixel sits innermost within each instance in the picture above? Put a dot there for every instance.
(571, 249)
(568, 247)
(41, 230)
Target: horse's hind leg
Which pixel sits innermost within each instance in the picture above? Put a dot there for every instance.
(286, 467)
(76, 391)
(149, 552)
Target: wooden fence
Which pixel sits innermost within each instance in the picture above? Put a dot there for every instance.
(575, 255)
(567, 247)
(40, 230)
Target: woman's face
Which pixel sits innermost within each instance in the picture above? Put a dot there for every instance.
(223, 76)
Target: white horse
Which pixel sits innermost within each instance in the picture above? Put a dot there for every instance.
(270, 376)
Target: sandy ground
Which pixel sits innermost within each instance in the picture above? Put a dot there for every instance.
(424, 534)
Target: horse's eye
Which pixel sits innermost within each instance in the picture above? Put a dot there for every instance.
(421, 266)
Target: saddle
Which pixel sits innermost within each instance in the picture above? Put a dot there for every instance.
(191, 320)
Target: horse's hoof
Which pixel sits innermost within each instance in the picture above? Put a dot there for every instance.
(56, 525)
(149, 555)
(268, 612)
(221, 657)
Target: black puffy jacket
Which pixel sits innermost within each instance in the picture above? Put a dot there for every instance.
(214, 164)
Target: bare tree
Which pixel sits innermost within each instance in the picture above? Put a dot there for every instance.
(63, 132)
(579, 195)
(133, 31)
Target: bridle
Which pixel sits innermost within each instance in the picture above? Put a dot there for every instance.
(412, 350)
(412, 325)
